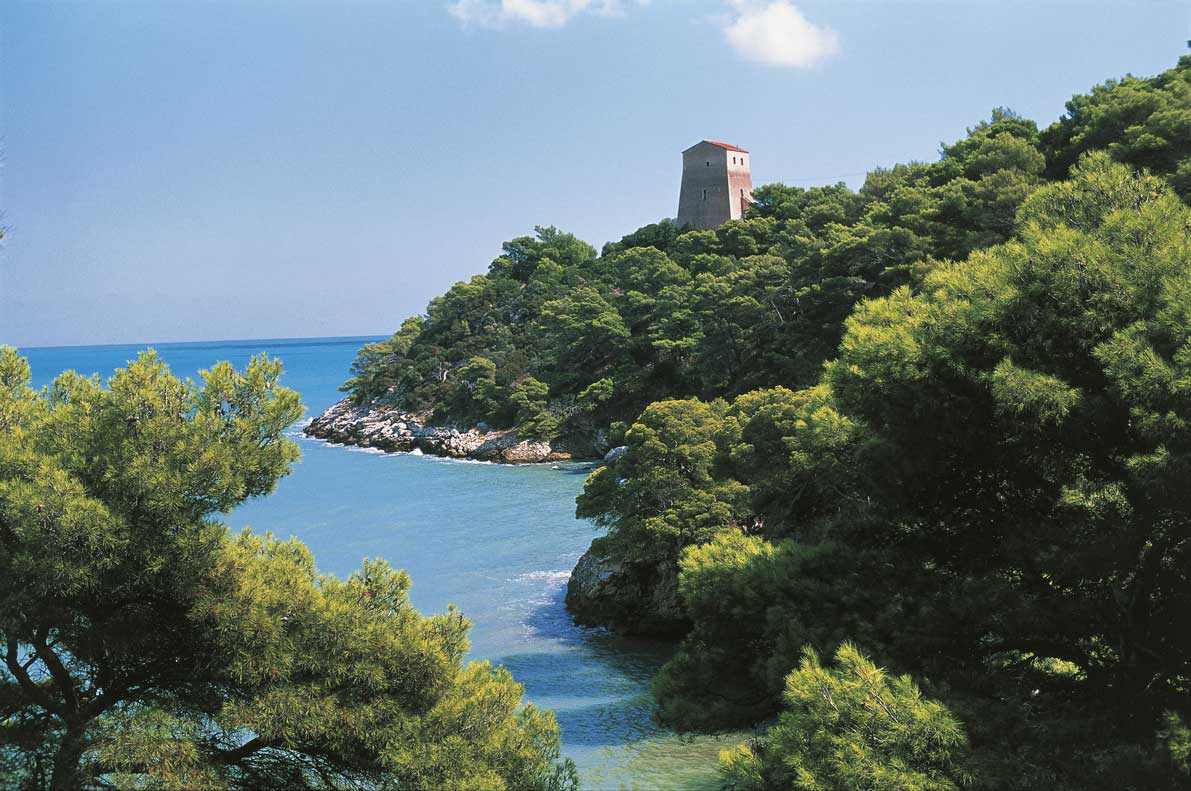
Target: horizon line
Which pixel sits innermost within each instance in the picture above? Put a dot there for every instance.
(219, 341)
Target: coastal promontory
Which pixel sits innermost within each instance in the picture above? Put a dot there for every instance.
(383, 426)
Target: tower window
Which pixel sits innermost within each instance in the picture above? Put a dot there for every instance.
(733, 160)
(709, 163)
(704, 194)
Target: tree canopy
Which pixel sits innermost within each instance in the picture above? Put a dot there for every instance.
(988, 487)
(146, 647)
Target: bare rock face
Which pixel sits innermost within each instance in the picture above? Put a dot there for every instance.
(615, 453)
(440, 441)
(369, 425)
(380, 425)
(509, 447)
(634, 599)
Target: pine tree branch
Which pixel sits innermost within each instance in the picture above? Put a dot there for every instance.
(21, 673)
(58, 672)
(245, 750)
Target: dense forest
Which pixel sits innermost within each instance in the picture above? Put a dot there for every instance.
(940, 424)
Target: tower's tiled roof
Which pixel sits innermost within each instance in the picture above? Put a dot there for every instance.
(728, 146)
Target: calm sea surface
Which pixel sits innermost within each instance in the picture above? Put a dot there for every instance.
(497, 541)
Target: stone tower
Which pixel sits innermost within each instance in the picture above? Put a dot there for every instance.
(716, 185)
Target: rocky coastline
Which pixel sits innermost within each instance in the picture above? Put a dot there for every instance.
(631, 599)
(384, 427)
(626, 598)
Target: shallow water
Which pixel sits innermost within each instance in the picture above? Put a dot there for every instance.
(497, 541)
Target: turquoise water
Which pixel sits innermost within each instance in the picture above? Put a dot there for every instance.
(497, 541)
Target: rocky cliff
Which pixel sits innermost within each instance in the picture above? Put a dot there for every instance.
(380, 425)
(629, 598)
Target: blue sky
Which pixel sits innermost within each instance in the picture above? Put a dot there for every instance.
(206, 170)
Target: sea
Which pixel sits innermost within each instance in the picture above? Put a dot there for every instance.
(497, 541)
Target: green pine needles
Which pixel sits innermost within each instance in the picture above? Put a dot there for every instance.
(851, 727)
(145, 647)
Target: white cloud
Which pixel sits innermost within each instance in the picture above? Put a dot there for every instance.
(772, 32)
(777, 34)
(536, 13)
